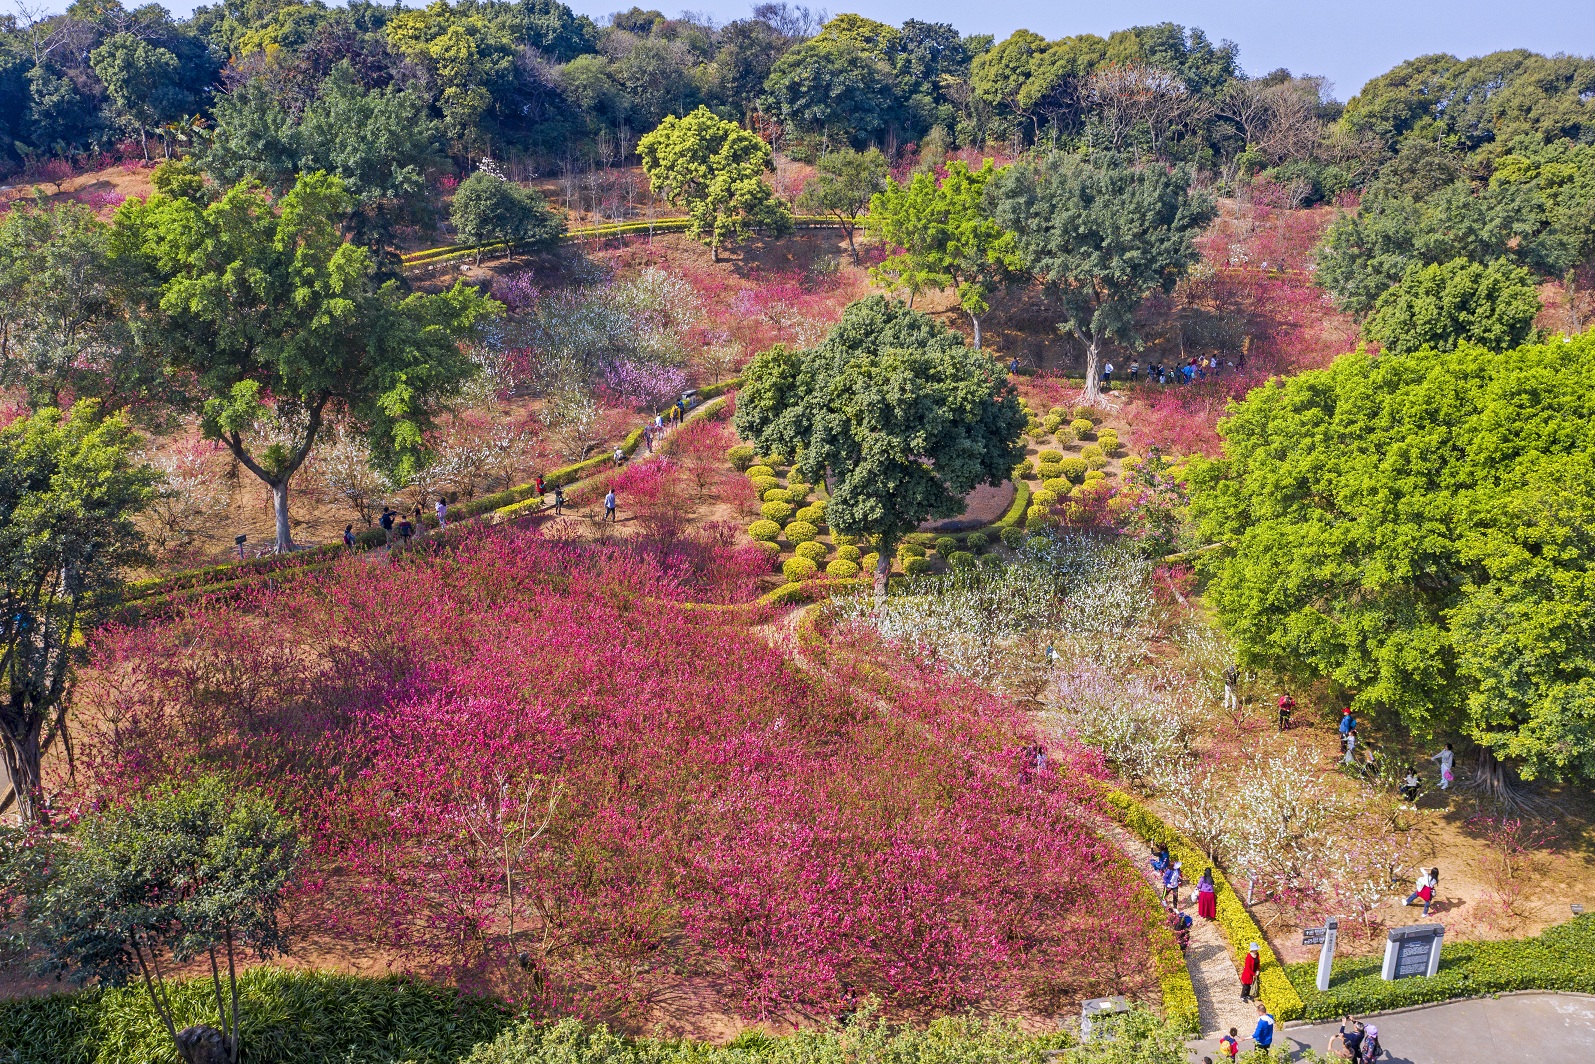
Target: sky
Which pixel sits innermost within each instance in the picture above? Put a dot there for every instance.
(1348, 41)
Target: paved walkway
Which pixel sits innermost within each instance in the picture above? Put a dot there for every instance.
(1533, 1028)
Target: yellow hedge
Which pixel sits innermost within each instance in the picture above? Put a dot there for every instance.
(1237, 924)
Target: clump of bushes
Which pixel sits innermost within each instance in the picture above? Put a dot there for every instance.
(1049, 471)
(811, 550)
(776, 495)
(800, 531)
(842, 567)
(780, 512)
(1050, 455)
(740, 456)
(754, 472)
(1024, 470)
(1108, 440)
(764, 484)
(911, 550)
(976, 541)
(1013, 537)
(798, 568)
(765, 531)
(1073, 468)
(1051, 422)
(848, 553)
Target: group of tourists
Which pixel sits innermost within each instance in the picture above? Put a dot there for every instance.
(401, 526)
(1229, 1046)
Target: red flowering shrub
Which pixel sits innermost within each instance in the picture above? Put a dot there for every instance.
(527, 765)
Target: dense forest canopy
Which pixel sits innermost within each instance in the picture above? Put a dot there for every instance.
(261, 87)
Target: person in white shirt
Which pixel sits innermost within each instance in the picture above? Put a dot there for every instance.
(1446, 758)
(443, 512)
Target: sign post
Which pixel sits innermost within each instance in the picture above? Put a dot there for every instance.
(1325, 936)
(1413, 950)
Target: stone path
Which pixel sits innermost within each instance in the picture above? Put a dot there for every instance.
(1213, 974)
(1543, 1028)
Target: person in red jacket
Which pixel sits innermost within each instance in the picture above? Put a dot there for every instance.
(1249, 972)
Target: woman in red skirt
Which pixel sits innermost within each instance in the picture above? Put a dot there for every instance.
(1207, 897)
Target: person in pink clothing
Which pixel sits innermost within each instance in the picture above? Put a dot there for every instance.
(1207, 896)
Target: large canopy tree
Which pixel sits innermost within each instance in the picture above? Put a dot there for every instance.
(269, 311)
(1419, 529)
(900, 416)
(68, 490)
(945, 237)
(1445, 304)
(1100, 235)
(715, 169)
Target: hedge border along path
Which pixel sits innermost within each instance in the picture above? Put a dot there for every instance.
(1559, 958)
(1275, 987)
(448, 253)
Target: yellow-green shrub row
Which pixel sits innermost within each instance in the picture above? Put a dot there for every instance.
(1237, 924)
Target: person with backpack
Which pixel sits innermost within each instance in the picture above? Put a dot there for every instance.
(1287, 706)
(1348, 724)
(1370, 1045)
(1263, 1033)
(1171, 883)
(1249, 970)
(1427, 883)
(386, 523)
(348, 536)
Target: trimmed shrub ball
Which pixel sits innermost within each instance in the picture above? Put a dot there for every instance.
(1051, 470)
(813, 513)
(916, 566)
(1013, 537)
(1043, 499)
(921, 539)
(842, 539)
(811, 550)
(776, 495)
(796, 569)
(759, 471)
(1051, 422)
(869, 561)
(843, 568)
(765, 531)
(1024, 470)
(1094, 474)
(780, 512)
(800, 532)
(1108, 440)
(1057, 485)
(849, 553)
(961, 559)
(1065, 435)
(1038, 516)
(990, 561)
(1073, 468)
(764, 484)
(911, 550)
(1096, 461)
(1082, 426)
(740, 456)
(772, 551)
(945, 545)
(1050, 455)
(976, 541)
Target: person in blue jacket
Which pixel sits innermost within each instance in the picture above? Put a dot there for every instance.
(1263, 1033)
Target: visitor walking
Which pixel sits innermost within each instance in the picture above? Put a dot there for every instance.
(386, 522)
(1370, 1044)
(442, 512)
(348, 536)
(1249, 968)
(1171, 883)
(1207, 896)
(1263, 1033)
(1349, 741)
(1348, 723)
(648, 439)
(537, 482)
(1160, 859)
(416, 523)
(1135, 371)
(1428, 883)
(406, 530)
(1180, 924)
(620, 456)
(559, 500)
(1447, 758)
(1287, 706)
(609, 506)
(1107, 377)
(1230, 1045)
(1232, 683)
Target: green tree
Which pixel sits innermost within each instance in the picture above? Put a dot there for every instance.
(490, 210)
(1418, 530)
(1100, 235)
(947, 237)
(269, 311)
(900, 416)
(833, 89)
(141, 79)
(68, 490)
(842, 186)
(1562, 175)
(715, 169)
(1441, 306)
(463, 57)
(196, 871)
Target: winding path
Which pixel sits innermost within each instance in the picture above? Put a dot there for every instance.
(1213, 974)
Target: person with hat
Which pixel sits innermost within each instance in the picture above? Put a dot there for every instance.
(1249, 970)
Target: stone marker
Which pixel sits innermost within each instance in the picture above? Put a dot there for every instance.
(1326, 953)
(1107, 1006)
(1411, 951)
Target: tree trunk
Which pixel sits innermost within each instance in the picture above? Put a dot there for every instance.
(976, 322)
(144, 142)
(279, 503)
(24, 758)
(848, 229)
(1093, 389)
(883, 569)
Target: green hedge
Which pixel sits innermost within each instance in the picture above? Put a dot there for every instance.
(1562, 958)
(1233, 918)
(1015, 516)
(285, 1017)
